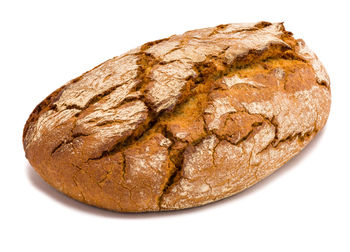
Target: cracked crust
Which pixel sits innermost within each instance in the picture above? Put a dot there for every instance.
(182, 121)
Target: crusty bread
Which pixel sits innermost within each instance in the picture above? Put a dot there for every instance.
(183, 121)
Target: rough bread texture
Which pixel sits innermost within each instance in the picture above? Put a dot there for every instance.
(182, 121)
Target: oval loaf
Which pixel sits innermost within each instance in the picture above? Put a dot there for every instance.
(182, 121)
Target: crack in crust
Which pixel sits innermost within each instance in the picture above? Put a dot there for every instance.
(227, 89)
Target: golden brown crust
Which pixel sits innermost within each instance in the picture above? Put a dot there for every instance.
(182, 121)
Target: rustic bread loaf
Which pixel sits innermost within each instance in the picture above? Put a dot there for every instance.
(183, 121)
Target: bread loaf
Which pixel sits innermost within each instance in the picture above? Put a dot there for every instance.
(182, 121)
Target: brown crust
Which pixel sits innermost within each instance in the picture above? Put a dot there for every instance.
(182, 121)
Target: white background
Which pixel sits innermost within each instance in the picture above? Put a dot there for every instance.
(305, 206)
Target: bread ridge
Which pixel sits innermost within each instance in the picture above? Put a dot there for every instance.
(149, 101)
